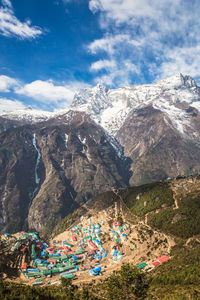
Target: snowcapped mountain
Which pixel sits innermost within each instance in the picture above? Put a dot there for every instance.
(177, 97)
(111, 107)
(28, 115)
(158, 125)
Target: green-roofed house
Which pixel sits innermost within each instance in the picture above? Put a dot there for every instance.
(141, 265)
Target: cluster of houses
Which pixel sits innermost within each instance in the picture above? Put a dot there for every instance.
(85, 250)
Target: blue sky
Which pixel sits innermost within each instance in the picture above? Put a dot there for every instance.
(50, 49)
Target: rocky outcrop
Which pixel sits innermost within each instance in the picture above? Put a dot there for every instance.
(156, 148)
(5, 124)
(17, 177)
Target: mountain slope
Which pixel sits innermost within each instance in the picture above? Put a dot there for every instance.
(170, 206)
(158, 125)
(47, 171)
(156, 148)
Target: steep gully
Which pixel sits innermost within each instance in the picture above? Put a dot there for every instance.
(37, 179)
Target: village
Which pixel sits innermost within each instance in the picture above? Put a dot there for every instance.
(89, 250)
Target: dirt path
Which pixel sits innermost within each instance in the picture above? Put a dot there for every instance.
(175, 199)
(192, 239)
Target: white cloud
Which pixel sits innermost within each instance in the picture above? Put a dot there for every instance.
(132, 11)
(76, 86)
(45, 94)
(7, 83)
(10, 26)
(159, 38)
(103, 64)
(119, 66)
(46, 90)
(184, 60)
(122, 10)
(10, 105)
(109, 43)
(7, 3)
(117, 75)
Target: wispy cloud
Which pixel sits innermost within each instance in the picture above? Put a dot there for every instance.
(116, 74)
(10, 26)
(6, 3)
(121, 64)
(157, 37)
(7, 83)
(186, 59)
(109, 43)
(103, 64)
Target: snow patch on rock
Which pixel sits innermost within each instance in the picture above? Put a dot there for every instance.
(66, 140)
(37, 179)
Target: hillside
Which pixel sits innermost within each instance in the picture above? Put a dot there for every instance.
(156, 220)
(176, 201)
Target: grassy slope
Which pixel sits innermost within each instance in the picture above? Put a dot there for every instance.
(179, 278)
(155, 199)
(189, 214)
(159, 196)
(149, 197)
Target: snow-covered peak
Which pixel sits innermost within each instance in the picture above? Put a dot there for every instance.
(92, 100)
(178, 81)
(189, 82)
(173, 81)
(100, 88)
(89, 95)
(110, 107)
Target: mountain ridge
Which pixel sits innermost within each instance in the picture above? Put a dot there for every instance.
(94, 101)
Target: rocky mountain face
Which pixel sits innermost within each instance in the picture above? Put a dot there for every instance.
(158, 150)
(48, 169)
(50, 163)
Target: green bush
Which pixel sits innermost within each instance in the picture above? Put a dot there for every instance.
(187, 226)
(126, 283)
